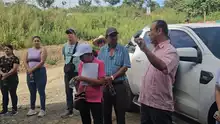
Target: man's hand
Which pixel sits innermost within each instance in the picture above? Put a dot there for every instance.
(217, 116)
(141, 43)
(108, 80)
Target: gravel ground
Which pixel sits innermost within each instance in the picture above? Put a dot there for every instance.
(55, 103)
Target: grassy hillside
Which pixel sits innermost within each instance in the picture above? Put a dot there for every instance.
(19, 22)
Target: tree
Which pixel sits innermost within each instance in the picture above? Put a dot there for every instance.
(153, 5)
(112, 2)
(45, 3)
(194, 7)
(98, 2)
(85, 2)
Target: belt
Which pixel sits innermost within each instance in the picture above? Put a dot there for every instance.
(117, 82)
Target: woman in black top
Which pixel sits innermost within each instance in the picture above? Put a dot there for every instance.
(9, 79)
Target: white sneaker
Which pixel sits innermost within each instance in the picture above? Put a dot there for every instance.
(31, 112)
(41, 113)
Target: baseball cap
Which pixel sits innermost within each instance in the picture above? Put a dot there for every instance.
(111, 30)
(70, 31)
(83, 49)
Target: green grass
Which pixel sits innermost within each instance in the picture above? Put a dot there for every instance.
(18, 23)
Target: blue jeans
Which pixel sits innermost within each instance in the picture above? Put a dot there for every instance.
(217, 122)
(38, 83)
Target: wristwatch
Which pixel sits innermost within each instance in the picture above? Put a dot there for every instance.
(112, 77)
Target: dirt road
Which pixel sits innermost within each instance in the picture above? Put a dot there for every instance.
(55, 103)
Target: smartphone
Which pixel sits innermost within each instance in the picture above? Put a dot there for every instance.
(137, 35)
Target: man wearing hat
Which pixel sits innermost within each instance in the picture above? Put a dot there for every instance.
(70, 68)
(117, 61)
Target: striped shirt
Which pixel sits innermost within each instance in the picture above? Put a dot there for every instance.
(113, 63)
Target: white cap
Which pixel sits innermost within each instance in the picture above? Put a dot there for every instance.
(83, 49)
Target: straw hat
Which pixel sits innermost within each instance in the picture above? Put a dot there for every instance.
(95, 41)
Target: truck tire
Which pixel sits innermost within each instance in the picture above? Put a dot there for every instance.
(131, 106)
(212, 111)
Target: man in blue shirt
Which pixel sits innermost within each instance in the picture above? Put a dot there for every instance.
(117, 61)
(68, 51)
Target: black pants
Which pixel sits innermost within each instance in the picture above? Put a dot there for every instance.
(151, 115)
(10, 86)
(119, 102)
(69, 92)
(96, 110)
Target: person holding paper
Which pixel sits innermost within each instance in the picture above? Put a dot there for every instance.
(91, 73)
(117, 61)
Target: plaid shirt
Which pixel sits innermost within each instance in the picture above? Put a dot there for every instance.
(156, 88)
(113, 63)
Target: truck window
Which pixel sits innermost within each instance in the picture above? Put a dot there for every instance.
(180, 39)
(211, 38)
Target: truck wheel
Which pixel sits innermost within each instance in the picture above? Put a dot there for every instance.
(131, 106)
(212, 111)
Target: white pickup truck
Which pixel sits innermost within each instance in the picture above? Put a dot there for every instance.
(198, 46)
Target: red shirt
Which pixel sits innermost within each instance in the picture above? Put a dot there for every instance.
(94, 93)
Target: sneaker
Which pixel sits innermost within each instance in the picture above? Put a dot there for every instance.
(42, 113)
(67, 114)
(3, 112)
(31, 112)
(13, 112)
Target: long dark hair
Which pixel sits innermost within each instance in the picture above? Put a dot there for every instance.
(10, 47)
(36, 37)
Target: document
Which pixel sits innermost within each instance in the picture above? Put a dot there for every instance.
(89, 70)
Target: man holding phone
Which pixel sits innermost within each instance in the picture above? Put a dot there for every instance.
(156, 95)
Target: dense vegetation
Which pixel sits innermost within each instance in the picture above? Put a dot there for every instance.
(20, 21)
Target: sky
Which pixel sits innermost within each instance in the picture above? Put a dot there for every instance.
(71, 3)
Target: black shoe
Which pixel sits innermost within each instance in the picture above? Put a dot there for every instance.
(13, 112)
(3, 112)
(67, 114)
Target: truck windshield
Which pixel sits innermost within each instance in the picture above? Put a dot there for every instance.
(211, 37)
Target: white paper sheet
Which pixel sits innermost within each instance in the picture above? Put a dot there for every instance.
(89, 70)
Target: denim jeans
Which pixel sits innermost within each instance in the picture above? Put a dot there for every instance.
(38, 84)
(9, 87)
(96, 111)
(217, 122)
(69, 92)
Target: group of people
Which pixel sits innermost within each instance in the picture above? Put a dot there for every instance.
(98, 93)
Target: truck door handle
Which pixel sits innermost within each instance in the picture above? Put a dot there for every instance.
(139, 60)
(205, 77)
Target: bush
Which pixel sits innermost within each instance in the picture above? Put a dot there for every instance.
(18, 23)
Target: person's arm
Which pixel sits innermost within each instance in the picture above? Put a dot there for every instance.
(16, 63)
(63, 52)
(25, 59)
(166, 63)
(126, 65)
(43, 59)
(217, 89)
(101, 76)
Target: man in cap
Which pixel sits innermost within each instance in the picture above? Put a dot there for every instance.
(117, 61)
(70, 68)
